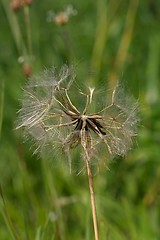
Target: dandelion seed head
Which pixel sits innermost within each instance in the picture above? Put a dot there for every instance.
(62, 17)
(57, 124)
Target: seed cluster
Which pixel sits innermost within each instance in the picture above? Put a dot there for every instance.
(49, 116)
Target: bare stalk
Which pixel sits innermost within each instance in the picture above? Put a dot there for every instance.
(28, 29)
(92, 196)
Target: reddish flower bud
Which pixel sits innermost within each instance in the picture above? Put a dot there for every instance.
(61, 18)
(26, 2)
(27, 71)
(15, 5)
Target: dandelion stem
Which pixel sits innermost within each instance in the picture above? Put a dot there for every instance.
(92, 196)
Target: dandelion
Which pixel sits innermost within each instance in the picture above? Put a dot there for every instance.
(50, 117)
(61, 18)
(17, 4)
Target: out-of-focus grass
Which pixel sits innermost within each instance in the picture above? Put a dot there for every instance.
(113, 39)
(1, 103)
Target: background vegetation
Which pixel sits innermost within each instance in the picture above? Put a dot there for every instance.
(106, 40)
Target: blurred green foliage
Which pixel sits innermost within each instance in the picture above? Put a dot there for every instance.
(106, 40)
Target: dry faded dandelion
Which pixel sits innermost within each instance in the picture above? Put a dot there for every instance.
(50, 117)
(61, 18)
(17, 4)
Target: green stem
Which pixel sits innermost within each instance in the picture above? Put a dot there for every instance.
(92, 196)
(14, 27)
(7, 218)
(1, 103)
(28, 29)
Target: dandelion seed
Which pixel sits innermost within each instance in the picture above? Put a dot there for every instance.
(50, 117)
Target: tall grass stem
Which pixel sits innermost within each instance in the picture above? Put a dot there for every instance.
(125, 43)
(15, 28)
(1, 103)
(28, 29)
(7, 219)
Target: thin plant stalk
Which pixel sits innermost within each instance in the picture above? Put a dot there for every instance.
(92, 195)
(28, 29)
(1, 103)
(66, 41)
(124, 43)
(100, 40)
(105, 22)
(50, 188)
(7, 218)
(15, 28)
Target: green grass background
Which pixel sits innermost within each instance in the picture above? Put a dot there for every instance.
(106, 40)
